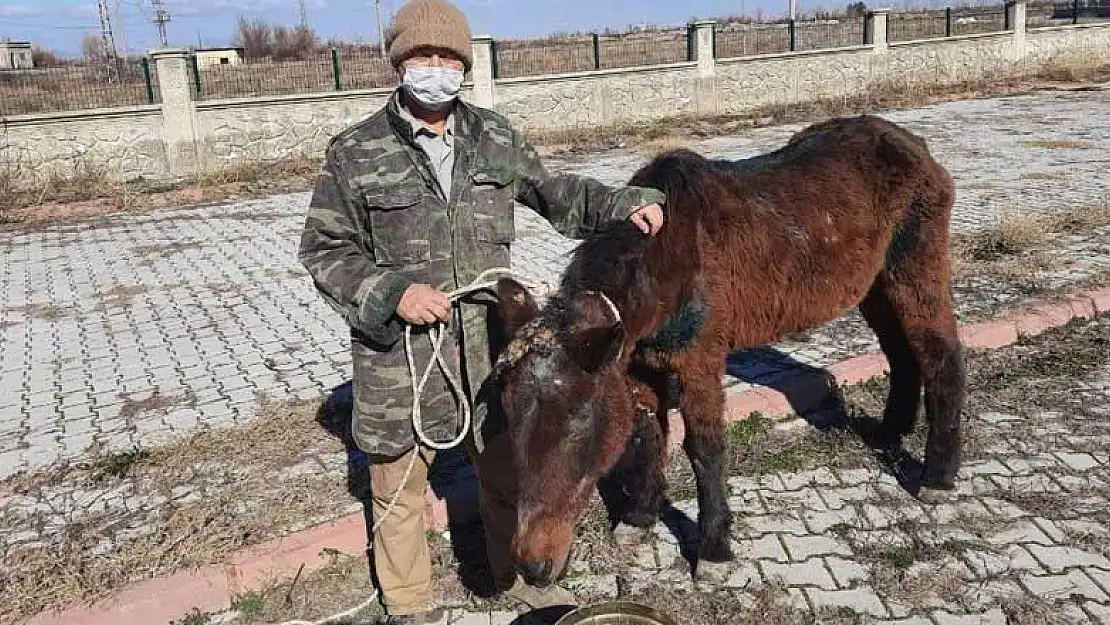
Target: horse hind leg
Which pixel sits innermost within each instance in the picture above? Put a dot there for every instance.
(904, 398)
(923, 305)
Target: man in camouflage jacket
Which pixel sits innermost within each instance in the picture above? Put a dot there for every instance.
(415, 201)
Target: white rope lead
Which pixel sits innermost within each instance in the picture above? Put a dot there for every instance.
(436, 334)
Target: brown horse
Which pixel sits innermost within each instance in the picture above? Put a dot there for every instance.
(851, 212)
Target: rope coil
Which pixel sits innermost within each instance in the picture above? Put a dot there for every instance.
(436, 334)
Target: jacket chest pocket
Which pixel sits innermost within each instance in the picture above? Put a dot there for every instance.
(493, 206)
(399, 226)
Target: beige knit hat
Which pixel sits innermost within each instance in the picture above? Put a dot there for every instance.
(434, 23)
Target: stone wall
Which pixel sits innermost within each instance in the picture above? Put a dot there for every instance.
(181, 136)
(1077, 47)
(598, 98)
(122, 143)
(233, 132)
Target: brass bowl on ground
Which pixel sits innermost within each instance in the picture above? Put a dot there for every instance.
(616, 613)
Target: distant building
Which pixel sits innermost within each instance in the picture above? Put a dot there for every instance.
(218, 56)
(16, 55)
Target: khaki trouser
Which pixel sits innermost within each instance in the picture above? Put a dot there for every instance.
(402, 562)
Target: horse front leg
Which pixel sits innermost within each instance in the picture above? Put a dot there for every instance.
(702, 404)
(635, 488)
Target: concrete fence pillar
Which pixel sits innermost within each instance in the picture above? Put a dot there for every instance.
(1016, 19)
(876, 30)
(705, 34)
(481, 73)
(178, 113)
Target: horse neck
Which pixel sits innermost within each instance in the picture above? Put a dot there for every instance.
(648, 295)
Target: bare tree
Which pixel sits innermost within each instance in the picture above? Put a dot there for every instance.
(41, 57)
(256, 38)
(260, 39)
(293, 43)
(92, 48)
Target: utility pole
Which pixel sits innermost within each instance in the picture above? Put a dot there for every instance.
(381, 31)
(793, 9)
(304, 15)
(161, 16)
(107, 41)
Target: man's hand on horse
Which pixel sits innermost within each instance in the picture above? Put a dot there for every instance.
(422, 304)
(648, 218)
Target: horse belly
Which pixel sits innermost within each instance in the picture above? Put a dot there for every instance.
(777, 297)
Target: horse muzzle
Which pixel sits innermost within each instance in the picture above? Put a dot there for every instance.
(537, 573)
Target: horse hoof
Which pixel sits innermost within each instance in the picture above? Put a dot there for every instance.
(627, 535)
(712, 572)
(932, 495)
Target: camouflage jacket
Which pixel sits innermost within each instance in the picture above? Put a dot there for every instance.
(378, 222)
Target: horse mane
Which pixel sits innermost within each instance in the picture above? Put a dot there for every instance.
(637, 271)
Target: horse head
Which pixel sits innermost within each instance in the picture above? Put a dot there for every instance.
(569, 415)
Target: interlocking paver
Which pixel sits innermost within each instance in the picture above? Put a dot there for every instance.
(1005, 559)
(859, 600)
(210, 327)
(1058, 558)
(811, 573)
(801, 548)
(1074, 583)
(992, 617)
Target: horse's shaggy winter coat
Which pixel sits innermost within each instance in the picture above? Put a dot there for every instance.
(851, 212)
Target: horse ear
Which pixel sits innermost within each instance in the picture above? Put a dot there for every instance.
(597, 334)
(515, 305)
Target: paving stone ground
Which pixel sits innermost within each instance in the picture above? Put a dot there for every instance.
(1024, 541)
(128, 329)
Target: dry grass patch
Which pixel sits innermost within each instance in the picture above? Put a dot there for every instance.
(164, 250)
(1029, 610)
(763, 603)
(133, 407)
(659, 145)
(340, 586)
(134, 514)
(122, 296)
(46, 311)
(888, 96)
(301, 166)
(1019, 248)
(1059, 144)
(1043, 175)
(91, 192)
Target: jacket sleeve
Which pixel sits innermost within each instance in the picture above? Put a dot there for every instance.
(574, 205)
(343, 272)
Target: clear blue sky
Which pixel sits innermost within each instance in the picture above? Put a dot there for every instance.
(60, 24)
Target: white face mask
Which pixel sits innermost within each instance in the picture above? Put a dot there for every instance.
(435, 88)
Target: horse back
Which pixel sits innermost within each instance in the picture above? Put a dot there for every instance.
(803, 230)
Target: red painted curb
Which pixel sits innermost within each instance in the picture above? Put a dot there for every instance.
(211, 588)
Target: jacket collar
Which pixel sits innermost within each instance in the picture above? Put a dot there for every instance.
(467, 126)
